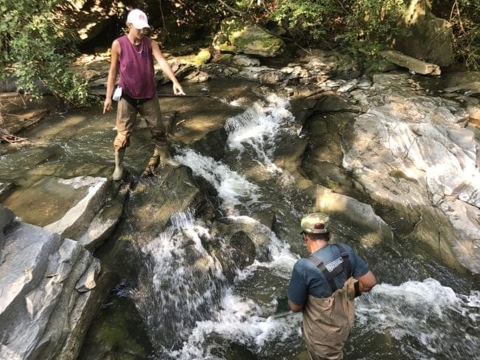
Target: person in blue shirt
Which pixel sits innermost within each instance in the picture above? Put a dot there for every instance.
(323, 286)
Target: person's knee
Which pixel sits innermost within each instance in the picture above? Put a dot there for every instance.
(121, 141)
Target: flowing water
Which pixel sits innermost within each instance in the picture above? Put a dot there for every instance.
(419, 310)
(193, 313)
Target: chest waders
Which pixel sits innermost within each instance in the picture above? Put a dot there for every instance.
(327, 321)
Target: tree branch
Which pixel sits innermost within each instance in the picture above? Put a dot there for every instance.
(232, 10)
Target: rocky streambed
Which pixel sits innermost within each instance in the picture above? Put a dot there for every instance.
(392, 157)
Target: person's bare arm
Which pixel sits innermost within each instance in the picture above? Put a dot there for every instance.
(177, 88)
(112, 76)
(367, 282)
(294, 307)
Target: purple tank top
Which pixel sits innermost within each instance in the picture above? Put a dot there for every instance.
(137, 76)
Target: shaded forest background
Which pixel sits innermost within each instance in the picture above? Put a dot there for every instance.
(41, 38)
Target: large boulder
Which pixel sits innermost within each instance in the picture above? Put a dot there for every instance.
(91, 193)
(237, 36)
(82, 208)
(51, 289)
(416, 157)
(429, 38)
(408, 162)
(51, 285)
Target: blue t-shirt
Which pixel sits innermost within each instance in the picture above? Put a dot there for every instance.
(307, 279)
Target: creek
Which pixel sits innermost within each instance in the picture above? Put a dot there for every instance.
(173, 298)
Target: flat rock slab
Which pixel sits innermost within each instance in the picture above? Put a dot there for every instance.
(51, 199)
(418, 66)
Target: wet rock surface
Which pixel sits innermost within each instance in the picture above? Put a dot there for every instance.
(379, 152)
(51, 289)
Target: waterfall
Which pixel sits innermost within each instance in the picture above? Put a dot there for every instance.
(233, 188)
(192, 312)
(180, 283)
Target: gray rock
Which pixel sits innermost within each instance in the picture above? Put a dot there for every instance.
(430, 39)
(6, 217)
(78, 218)
(362, 219)
(105, 221)
(40, 307)
(423, 141)
(243, 60)
(236, 36)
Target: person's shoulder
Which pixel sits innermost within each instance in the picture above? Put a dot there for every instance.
(151, 43)
(303, 263)
(116, 47)
(118, 41)
(346, 247)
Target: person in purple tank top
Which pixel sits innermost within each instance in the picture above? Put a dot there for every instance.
(132, 59)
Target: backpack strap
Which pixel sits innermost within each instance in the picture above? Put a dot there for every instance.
(346, 260)
(321, 266)
(345, 266)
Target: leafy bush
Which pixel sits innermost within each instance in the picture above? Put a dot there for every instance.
(464, 15)
(38, 48)
(362, 26)
(368, 26)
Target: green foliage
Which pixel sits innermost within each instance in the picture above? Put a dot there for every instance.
(190, 20)
(38, 48)
(356, 27)
(305, 18)
(464, 15)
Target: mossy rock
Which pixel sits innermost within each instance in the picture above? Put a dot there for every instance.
(237, 36)
(118, 333)
(202, 57)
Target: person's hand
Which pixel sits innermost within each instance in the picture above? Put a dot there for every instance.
(177, 89)
(107, 105)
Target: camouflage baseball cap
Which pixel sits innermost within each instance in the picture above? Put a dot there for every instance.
(315, 223)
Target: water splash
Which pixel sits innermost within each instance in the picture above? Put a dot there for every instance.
(259, 127)
(238, 321)
(183, 291)
(180, 284)
(426, 317)
(234, 189)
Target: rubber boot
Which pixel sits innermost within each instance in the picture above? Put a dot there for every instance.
(165, 157)
(153, 163)
(118, 172)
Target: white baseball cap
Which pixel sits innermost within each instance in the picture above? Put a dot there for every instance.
(138, 19)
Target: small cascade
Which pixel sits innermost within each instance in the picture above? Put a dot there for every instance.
(193, 312)
(259, 128)
(180, 284)
(233, 188)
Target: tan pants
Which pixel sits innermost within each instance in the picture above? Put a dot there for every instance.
(327, 323)
(126, 122)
